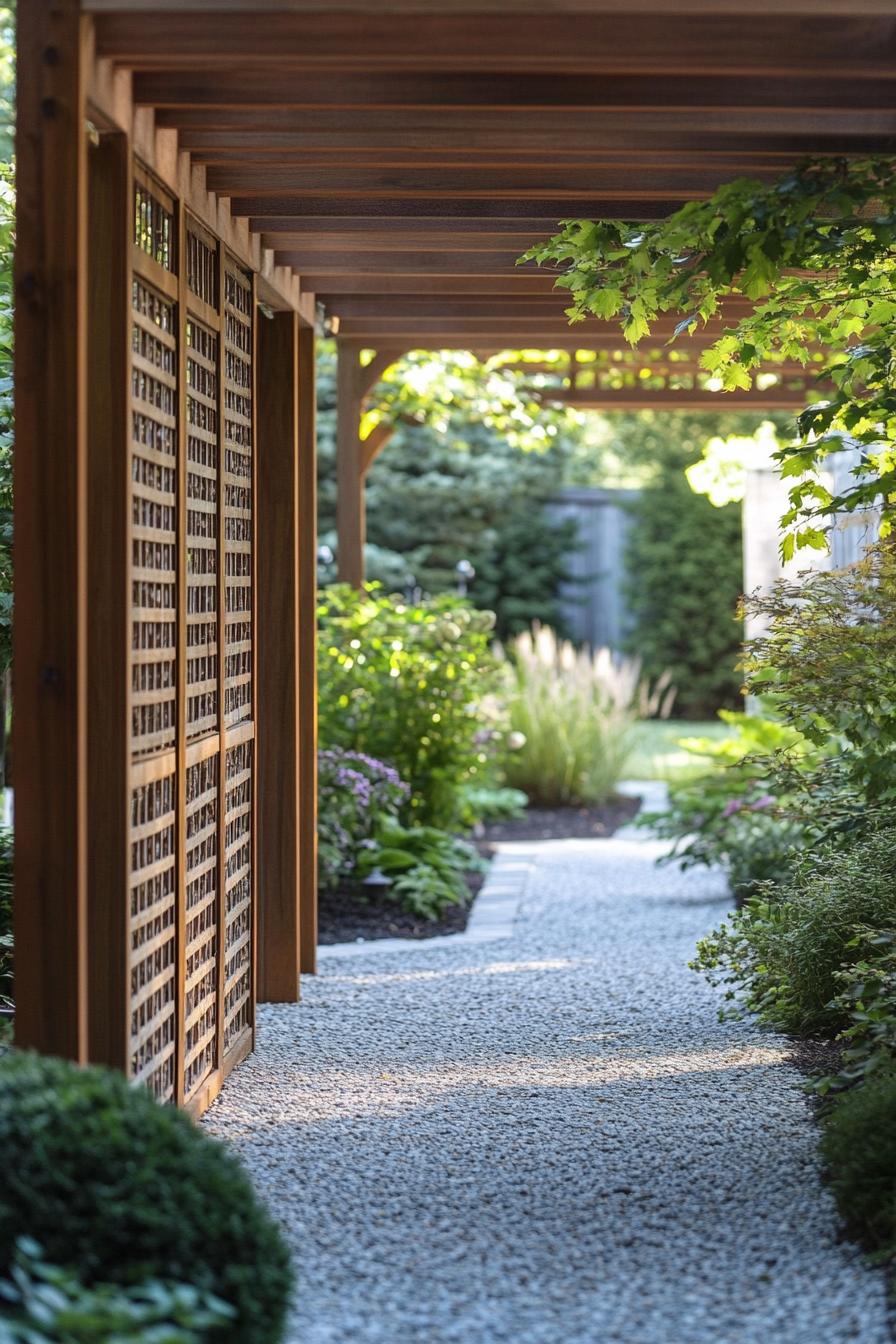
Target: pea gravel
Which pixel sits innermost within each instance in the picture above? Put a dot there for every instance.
(548, 1139)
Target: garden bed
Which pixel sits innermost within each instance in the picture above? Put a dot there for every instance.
(347, 916)
(566, 823)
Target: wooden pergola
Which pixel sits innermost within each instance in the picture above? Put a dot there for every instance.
(196, 178)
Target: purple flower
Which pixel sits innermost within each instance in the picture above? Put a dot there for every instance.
(730, 808)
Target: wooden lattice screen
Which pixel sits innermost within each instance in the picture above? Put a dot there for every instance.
(192, 653)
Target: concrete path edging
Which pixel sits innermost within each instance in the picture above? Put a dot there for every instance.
(493, 915)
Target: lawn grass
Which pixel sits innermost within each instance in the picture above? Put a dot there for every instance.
(657, 755)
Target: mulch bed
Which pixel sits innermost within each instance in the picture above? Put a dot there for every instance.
(566, 823)
(346, 916)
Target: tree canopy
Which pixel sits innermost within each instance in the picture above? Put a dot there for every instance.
(815, 253)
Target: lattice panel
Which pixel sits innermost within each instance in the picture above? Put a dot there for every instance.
(153, 935)
(202, 529)
(202, 267)
(238, 893)
(238, 500)
(154, 225)
(154, 519)
(201, 983)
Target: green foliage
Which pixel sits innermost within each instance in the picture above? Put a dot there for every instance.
(828, 660)
(44, 1304)
(572, 714)
(491, 803)
(429, 868)
(120, 1190)
(737, 813)
(816, 252)
(406, 683)
(859, 1146)
(782, 954)
(462, 478)
(867, 999)
(684, 577)
(355, 794)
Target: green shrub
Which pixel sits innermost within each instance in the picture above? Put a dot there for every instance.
(829, 660)
(684, 608)
(428, 868)
(858, 1144)
(784, 951)
(452, 486)
(119, 1189)
(43, 1304)
(574, 713)
(867, 999)
(406, 683)
(743, 814)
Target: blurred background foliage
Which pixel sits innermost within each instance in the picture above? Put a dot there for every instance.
(475, 458)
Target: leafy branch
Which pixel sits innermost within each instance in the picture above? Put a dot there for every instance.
(815, 255)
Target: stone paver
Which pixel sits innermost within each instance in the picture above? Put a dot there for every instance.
(549, 1139)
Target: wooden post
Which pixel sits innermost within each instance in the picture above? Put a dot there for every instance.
(350, 523)
(307, 652)
(109, 610)
(279, 659)
(50, 654)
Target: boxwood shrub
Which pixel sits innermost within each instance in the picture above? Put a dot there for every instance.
(859, 1147)
(120, 1189)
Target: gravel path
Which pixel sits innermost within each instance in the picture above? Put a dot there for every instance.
(549, 1139)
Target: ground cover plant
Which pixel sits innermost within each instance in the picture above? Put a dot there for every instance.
(119, 1190)
(45, 1304)
(356, 795)
(574, 714)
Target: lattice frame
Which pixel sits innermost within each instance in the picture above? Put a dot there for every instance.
(192, 826)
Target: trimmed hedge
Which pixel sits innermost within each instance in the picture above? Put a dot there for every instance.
(858, 1144)
(121, 1190)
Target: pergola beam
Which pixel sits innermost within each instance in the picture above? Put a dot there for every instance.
(254, 87)
(533, 42)
(742, 129)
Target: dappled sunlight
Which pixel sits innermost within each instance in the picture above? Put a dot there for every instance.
(368, 978)
(341, 1093)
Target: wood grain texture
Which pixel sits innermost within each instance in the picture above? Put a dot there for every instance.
(307, 657)
(862, 45)
(253, 87)
(350, 526)
(109, 609)
(50, 653)
(279, 824)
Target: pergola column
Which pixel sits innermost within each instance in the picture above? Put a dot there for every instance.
(354, 455)
(51, 653)
(286, 657)
(350, 514)
(307, 651)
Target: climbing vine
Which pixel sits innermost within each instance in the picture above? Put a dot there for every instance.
(815, 253)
